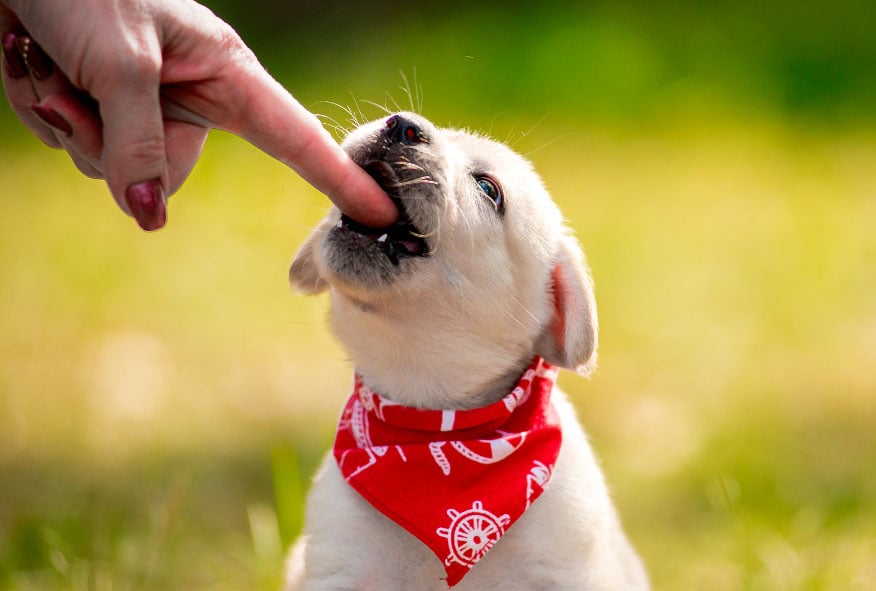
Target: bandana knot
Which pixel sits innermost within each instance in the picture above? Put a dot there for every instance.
(455, 479)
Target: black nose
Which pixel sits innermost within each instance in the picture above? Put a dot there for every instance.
(401, 129)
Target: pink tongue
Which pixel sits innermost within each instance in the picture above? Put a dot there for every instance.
(411, 246)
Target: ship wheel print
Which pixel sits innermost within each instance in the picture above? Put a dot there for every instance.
(471, 533)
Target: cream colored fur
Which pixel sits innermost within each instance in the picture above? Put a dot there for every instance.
(455, 329)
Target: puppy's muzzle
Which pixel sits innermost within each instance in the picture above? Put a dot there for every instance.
(391, 162)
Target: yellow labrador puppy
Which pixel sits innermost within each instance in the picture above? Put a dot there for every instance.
(457, 462)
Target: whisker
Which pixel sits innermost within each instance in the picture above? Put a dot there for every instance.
(408, 165)
(426, 235)
(333, 123)
(378, 105)
(358, 110)
(340, 131)
(410, 182)
(418, 90)
(546, 144)
(414, 92)
(492, 122)
(394, 102)
(345, 109)
(511, 133)
(434, 244)
(528, 131)
(407, 89)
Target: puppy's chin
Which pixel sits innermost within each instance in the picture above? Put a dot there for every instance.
(361, 262)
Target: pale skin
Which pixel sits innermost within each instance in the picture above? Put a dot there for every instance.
(130, 89)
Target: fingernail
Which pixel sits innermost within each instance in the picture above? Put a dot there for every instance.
(39, 63)
(146, 202)
(52, 118)
(15, 66)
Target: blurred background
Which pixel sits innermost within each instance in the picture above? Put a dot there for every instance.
(164, 398)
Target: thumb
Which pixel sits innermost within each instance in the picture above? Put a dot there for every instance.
(134, 151)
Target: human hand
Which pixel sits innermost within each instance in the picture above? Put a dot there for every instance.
(130, 88)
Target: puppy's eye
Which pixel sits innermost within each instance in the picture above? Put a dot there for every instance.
(493, 191)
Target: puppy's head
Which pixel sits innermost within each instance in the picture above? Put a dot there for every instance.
(479, 263)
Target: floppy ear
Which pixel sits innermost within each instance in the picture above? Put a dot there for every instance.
(570, 338)
(304, 273)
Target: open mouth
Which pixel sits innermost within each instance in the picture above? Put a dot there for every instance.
(399, 240)
(402, 239)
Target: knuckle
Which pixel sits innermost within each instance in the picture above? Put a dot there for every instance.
(232, 46)
(147, 148)
(138, 63)
(108, 68)
(227, 37)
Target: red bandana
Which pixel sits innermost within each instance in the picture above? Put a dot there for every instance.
(457, 480)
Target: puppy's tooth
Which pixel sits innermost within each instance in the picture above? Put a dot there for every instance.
(383, 238)
(340, 224)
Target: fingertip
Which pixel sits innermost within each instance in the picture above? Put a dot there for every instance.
(361, 198)
(14, 64)
(52, 118)
(147, 203)
(76, 125)
(126, 160)
(371, 208)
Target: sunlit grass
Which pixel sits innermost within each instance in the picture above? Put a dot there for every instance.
(152, 385)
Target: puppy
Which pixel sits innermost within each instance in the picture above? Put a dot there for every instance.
(457, 462)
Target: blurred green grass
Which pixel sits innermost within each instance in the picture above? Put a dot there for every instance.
(159, 392)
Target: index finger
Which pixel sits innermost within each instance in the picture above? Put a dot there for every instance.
(276, 123)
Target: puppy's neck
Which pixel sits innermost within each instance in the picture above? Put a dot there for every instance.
(430, 360)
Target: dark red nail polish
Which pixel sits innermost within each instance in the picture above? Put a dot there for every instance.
(146, 202)
(15, 66)
(52, 118)
(38, 62)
